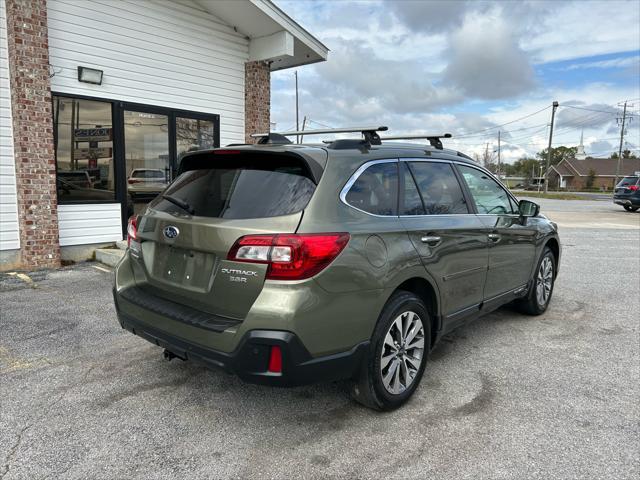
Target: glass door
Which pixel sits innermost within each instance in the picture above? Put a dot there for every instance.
(147, 157)
(193, 134)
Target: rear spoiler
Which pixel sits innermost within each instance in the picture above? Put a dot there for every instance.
(207, 158)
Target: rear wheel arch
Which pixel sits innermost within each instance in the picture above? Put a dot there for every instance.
(425, 291)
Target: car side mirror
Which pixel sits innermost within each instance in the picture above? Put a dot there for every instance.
(528, 209)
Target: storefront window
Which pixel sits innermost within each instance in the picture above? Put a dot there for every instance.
(193, 134)
(97, 140)
(84, 150)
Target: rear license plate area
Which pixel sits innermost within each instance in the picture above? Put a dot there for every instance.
(184, 268)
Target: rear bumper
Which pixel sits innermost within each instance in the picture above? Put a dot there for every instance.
(626, 202)
(631, 200)
(251, 357)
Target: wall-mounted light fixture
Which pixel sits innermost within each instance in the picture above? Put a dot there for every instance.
(90, 75)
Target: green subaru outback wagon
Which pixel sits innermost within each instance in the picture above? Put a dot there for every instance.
(289, 264)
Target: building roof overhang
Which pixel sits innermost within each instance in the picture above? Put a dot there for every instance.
(273, 35)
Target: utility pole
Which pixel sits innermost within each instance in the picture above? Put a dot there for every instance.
(498, 174)
(486, 156)
(297, 111)
(304, 122)
(546, 172)
(618, 167)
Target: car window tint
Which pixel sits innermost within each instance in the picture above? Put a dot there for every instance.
(439, 187)
(412, 204)
(514, 205)
(488, 195)
(376, 190)
(628, 181)
(242, 188)
(147, 174)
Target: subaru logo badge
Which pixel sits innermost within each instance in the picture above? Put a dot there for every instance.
(171, 232)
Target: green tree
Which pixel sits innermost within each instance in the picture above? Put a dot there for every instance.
(591, 178)
(523, 167)
(557, 154)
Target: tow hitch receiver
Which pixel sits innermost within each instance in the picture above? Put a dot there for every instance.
(169, 355)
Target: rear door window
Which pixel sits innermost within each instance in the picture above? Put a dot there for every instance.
(238, 187)
(412, 201)
(438, 188)
(376, 190)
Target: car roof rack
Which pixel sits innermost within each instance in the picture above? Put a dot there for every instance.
(434, 140)
(370, 134)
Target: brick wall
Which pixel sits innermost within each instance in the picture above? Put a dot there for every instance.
(577, 183)
(257, 98)
(33, 132)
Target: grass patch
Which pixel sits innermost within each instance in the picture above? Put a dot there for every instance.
(555, 196)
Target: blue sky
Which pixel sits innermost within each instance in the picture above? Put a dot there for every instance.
(467, 67)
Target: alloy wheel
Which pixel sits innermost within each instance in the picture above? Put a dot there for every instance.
(544, 281)
(402, 352)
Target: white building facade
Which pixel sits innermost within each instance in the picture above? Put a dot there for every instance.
(99, 100)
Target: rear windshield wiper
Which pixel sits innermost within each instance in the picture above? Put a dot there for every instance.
(180, 203)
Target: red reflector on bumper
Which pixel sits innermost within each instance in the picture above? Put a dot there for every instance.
(275, 360)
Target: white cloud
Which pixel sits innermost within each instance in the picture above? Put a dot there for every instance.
(623, 62)
(462, 67)
(582, 29)
(485, 60)
(431, 16)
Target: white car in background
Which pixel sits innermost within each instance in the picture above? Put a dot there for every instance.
(146, 182)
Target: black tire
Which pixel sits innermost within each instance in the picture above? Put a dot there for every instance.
(369, 389)
(629, 208)
(531, 304)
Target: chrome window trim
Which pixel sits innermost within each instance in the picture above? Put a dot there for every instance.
(364, 166)
(439, 215)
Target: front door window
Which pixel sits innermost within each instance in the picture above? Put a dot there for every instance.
(489, 196)
(146, 149)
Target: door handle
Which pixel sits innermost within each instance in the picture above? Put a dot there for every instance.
(494, 237)
(431, 240)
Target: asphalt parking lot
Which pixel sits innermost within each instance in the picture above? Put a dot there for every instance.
(508, 396)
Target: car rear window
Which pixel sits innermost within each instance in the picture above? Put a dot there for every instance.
(241, 187)
(628, 181)
(148, 174)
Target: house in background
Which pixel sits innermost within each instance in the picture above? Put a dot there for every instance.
(574, 174)
(99, 100)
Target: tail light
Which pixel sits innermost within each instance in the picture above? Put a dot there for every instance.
(131, 181)
(633, 188)
(290, 256)
(132, 230)
(226, 152)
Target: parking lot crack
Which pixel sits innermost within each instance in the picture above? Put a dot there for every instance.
(16, 445)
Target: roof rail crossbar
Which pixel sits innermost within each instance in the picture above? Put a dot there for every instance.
(370, 133)
(434, 140)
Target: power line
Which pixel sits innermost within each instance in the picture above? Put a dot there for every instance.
(503, 124)
(318, 123)
(592, 109)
